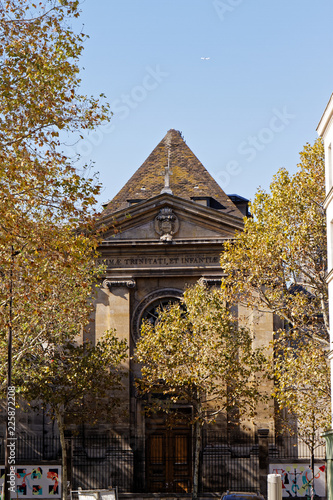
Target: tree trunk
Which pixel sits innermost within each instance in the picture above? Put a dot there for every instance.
(313, 474)
(10, 412)
(197, 450)
(60, 422)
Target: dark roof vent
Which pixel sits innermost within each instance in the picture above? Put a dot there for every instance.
(241, 203)
(208, 201)
(134, 202)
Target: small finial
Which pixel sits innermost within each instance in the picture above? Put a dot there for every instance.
(167, 188)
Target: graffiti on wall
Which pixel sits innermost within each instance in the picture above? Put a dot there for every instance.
(33, 480)
(296, 479)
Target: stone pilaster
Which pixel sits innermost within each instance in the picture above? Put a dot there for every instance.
(263, 460)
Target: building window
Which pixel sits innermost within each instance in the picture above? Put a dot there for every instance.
(150, 306)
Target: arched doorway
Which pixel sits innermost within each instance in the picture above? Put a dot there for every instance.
(168, 436)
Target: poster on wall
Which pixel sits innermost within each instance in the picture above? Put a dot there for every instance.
(296, 479)
(29, 481)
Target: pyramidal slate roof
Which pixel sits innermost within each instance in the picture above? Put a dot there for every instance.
(188, 178)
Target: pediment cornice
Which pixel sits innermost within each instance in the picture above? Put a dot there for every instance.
(145, 211)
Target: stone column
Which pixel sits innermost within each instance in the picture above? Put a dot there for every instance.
(263, 460)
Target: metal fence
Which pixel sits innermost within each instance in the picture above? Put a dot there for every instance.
(33, 449)
(101, 462)
(225, 462)
(290, 447)
(230, 463)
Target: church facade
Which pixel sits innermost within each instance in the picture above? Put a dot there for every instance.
(165, 231)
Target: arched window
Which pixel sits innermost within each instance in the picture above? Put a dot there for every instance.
(150, 307)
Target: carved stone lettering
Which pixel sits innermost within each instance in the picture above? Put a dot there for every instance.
(200, 260)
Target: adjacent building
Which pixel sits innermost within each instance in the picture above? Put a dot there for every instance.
(325, 130)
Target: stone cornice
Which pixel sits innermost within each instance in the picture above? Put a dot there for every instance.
(326, 117)
(158, 243)
(329, 198)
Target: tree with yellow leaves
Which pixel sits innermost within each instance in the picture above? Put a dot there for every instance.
(47, 246)
(75, 384)
(279, 262)
(198, 355)
(47, 237)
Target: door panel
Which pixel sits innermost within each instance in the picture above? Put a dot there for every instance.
(168, 456)
(156, 462)
(181, 463)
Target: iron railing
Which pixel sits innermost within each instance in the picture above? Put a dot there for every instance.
(33, 449)
(226, 462)
(290, 447)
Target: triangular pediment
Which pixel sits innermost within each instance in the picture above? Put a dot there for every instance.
(168, 218)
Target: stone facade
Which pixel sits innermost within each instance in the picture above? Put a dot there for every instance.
(325, 130)
(166, 230)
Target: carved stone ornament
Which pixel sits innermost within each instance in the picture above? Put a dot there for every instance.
(123, 283)
(166, 224)
(210, 281)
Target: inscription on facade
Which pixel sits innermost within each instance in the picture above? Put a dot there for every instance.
(201, 260)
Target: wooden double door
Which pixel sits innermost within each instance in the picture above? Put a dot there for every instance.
(168, 455)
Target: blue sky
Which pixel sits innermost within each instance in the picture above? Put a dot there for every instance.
(245, 112)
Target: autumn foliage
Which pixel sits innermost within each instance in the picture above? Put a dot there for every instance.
(196, 354)
(279, 263)
(47, 236)
(47, 246)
